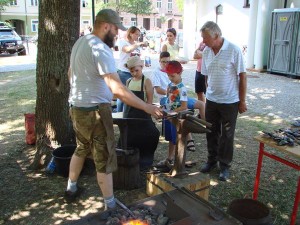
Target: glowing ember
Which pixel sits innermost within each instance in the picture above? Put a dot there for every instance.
(135, 222)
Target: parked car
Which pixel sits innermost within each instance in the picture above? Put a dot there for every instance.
(10, 41)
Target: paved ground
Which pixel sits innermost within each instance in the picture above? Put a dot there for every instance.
(268, 94)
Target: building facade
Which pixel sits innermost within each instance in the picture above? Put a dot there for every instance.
(247, 23)
(23, 15)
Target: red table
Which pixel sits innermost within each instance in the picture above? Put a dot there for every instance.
(291, 151)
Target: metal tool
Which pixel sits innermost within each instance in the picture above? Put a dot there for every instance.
(126, 151)
(125, 208)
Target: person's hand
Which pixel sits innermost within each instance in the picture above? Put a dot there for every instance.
(242, 107)
(154, 111)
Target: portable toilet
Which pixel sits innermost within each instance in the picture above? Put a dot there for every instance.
(284, 51)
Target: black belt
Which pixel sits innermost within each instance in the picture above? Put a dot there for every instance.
(87, 109)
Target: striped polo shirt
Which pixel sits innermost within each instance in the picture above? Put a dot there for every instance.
(222, 71)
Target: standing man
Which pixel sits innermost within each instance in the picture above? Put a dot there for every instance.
(93, 82)
(223, 66)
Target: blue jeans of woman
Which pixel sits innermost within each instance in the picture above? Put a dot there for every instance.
(124, 76)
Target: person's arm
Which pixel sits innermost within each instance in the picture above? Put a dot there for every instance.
(164, 48)
(149, 91)
(131, 48)
(197, 54)
(125, 95)
(182, 107)
(242, 92)
(160, 90)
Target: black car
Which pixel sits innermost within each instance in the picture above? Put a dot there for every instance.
(10, 41)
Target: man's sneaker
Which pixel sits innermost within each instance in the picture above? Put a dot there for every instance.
(224, 174)
(209, 166)
(71, 196)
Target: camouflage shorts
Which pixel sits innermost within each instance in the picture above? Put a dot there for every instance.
(95, 134)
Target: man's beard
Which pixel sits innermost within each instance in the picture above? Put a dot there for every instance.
(109, 39)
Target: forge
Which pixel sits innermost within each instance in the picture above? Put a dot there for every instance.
(179, 206)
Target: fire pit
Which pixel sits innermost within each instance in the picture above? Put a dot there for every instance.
(177, 207)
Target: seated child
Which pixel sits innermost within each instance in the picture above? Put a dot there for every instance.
(176, 101)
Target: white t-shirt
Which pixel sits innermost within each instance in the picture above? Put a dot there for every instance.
(222, 71)
(160, 79)
(90, 60)
(124, 56)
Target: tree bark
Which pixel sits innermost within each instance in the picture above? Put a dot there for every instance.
(58, 31)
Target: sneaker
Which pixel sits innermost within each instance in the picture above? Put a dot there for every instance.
(224, 174)
(71, 196)
(209, 166)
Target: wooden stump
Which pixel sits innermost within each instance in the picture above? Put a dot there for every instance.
(195, 182)
(127, 176)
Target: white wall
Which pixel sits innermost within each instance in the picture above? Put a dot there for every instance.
(234, 21)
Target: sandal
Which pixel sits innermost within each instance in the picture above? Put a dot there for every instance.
(190, 145)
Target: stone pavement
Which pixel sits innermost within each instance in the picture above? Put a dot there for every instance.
(267, 94)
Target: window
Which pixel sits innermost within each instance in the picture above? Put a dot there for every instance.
(246, 3)
(84, 3)
(158, 23)
(133, 21)
(180, 24)
(158, 4)
(15, 2)
(34, 2)
(170, 6)
(105, 1)
(34, 25)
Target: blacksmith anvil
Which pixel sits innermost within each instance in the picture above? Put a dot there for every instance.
(185, 123)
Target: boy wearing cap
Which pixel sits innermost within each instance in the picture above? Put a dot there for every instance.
(176, 101)
(93, 82)
(142, 134)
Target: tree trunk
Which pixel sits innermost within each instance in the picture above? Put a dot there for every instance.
(58, 31)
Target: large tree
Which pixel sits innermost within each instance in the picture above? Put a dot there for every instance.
(4, 3)
(58, 31)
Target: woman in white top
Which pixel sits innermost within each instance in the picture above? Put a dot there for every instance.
(129, 46)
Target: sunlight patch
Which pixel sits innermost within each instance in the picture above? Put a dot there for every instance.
(20, 215)
(11, 126)
(213, 183)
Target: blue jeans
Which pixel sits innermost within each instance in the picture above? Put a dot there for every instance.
(124, 76)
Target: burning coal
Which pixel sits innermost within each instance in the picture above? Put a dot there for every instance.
(144, 215)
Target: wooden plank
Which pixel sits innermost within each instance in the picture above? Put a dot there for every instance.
(196, 182)
(294, 151)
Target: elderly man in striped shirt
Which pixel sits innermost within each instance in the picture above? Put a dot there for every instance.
(225, 73)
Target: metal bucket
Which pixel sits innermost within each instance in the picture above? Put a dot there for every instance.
(62, 157)
(250, 212)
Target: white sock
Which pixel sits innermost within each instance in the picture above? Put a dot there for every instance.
(72, 186)
(110, 202)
